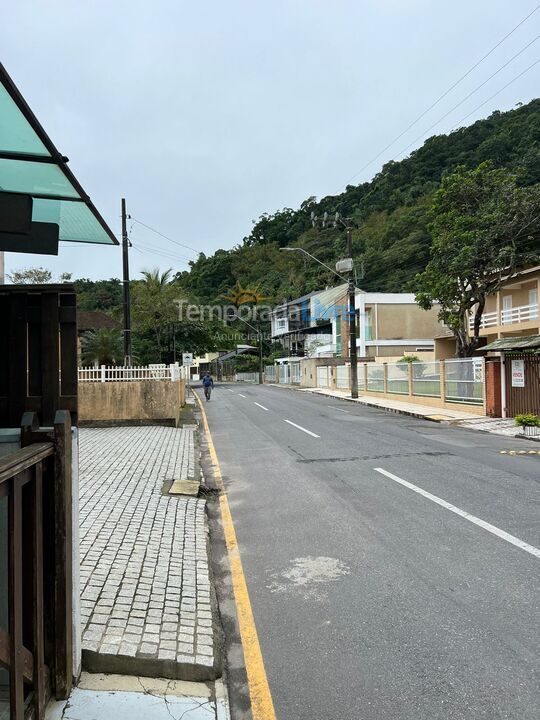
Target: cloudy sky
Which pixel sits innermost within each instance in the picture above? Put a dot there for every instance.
(204, 115)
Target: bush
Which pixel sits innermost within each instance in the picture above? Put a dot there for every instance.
(527, 420)
(409, 359)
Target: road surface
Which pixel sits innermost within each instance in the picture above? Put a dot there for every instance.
(392, 563)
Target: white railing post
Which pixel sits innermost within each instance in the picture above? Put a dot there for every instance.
(103, 373)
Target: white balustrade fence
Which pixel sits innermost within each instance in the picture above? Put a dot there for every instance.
(509, 316)
(117, 373)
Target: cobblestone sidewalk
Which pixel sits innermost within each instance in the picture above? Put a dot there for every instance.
(145, 588)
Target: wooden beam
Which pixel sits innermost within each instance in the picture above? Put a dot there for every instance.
(16, 672)
(27, 657)
(63, 610)
(21, 460)
(37, 587)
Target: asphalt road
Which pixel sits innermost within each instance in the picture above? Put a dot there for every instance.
(375, 599)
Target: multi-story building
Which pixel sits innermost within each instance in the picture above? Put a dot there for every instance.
(513, 310)
(301, 325)
(388, 325)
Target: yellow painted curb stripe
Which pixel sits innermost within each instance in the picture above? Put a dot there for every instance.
(262, 706)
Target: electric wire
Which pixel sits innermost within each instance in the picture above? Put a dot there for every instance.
(447, 92)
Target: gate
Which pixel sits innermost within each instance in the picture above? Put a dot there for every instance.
(526, 397)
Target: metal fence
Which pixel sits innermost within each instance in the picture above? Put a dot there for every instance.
(295, 373)
(464, 380)
(270, 374)
(284, 374)
(375, 377)
(398, 378)
(426, 379)
(251, 377)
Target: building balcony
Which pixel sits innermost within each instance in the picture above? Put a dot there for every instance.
(510, 316)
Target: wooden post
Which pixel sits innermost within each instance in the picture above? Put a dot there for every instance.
(63, 586)
(37, 587)
(16, 691)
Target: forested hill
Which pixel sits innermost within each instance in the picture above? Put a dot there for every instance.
(391, 241)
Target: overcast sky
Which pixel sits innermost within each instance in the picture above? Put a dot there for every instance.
(204, 115)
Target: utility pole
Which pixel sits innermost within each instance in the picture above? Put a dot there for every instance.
(127, 307)
(352, 320)
(261, 369)
(346, 265)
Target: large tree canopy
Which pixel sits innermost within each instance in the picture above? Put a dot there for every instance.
(485, 227)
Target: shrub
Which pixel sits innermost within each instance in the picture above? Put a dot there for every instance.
(527, 419)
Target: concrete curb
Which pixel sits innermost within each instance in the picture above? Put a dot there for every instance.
(97, 662)
(398, 411)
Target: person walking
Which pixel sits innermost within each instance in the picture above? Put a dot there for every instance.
(208, 384)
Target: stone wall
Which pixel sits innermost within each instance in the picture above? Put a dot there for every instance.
(137, 400)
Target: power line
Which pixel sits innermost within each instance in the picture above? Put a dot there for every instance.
(152, 251)
(449, 90)
(148, 227)
(498, 92)
(467, 97)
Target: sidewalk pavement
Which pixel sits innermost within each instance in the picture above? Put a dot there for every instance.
(427, 412)
(102, 697)
(145, 586)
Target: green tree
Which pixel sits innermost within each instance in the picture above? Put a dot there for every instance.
(485, 227)
(104, 347)
(154, 307)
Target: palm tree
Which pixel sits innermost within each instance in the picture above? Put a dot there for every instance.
(103, 347)
(153, 307)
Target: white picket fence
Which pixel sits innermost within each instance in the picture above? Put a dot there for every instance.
(115, 373)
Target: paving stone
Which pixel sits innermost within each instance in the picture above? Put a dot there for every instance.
(144, 565)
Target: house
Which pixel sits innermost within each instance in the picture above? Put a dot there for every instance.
(302, 326)
(513, 310)
(388, 326)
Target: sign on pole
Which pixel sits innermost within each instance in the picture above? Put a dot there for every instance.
(187, 358)
(518, 373)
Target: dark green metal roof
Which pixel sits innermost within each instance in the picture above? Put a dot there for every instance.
(31, 165)
(528, 342)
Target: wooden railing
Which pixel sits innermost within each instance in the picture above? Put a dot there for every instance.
(36, 647)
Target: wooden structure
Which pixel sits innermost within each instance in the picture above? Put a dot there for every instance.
(38, 393)
(38, 357)
(36, 649)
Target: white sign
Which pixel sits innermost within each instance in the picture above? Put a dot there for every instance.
(518, 373)
(187, 358)
(478, 370)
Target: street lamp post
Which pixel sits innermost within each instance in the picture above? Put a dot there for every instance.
(348, 266)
